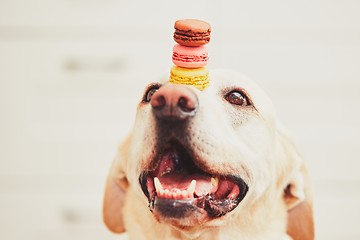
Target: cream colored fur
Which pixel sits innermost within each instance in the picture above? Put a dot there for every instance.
(250, 143)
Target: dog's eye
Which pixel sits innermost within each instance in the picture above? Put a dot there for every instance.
(150, 92)
(237, 98)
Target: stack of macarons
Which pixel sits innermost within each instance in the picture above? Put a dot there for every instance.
(190, 56)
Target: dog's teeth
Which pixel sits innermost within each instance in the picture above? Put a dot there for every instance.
(215, 181)
(184, 194)
(157, 184)
(172, 195)
(177, 193)
(191, 188)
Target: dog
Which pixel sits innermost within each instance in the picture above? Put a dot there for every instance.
(211, 164)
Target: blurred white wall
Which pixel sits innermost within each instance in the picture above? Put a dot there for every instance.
(71, 73)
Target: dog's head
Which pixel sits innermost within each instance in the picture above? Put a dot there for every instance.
(201, 158)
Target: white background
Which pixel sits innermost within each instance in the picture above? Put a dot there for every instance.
(71, 73)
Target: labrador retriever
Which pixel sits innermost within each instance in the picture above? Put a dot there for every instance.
(211, 164)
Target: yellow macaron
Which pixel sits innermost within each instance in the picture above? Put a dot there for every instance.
(197, 77)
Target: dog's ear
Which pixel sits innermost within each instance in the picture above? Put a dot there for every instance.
(297, 193)
(297, 196)
(294, 193)
(114, 198)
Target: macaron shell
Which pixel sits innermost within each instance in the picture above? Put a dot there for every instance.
(190, 57)
(192, 32)
(193, 25)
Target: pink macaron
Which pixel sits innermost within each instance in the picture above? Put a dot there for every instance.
(190, 57)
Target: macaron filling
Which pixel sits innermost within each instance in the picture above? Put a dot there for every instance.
(189, 58)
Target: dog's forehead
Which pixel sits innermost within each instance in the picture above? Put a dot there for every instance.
(222, 78)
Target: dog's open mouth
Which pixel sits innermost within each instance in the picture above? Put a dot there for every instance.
(177, 187)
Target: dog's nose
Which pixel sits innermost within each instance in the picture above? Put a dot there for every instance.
(174, 102)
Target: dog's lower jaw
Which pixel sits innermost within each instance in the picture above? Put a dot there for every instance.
(237, 224)
(197, 234)
(141, 224)
(182, 217)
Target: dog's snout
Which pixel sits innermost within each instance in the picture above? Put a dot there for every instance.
(174, 102)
